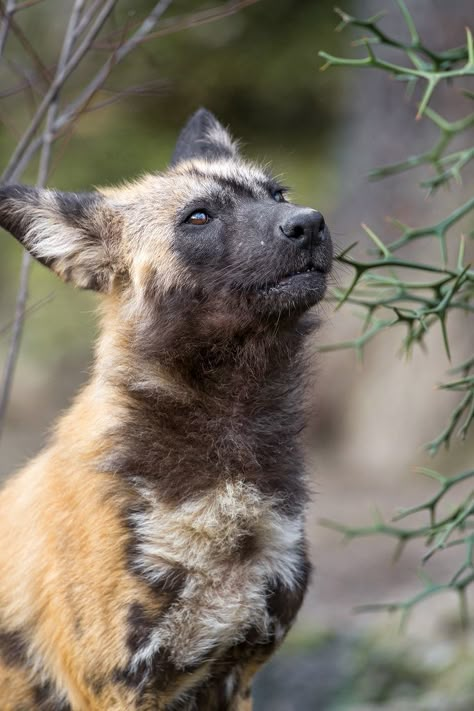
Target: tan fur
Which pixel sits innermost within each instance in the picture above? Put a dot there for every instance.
(65, 533)
(56, 528)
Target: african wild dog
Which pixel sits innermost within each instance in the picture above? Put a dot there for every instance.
(153, 555)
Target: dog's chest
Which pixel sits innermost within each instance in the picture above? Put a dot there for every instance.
(232, 568)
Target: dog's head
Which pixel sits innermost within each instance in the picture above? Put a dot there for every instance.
(213, 239)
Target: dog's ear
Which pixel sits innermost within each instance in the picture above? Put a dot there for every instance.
(204, 137)
(74, 234)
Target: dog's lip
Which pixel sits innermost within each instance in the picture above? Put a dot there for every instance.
(303, 274)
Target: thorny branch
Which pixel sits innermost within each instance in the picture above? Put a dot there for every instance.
(50, 120)
(390, 289)
(381, 287)
(439, 533)
(439, 67)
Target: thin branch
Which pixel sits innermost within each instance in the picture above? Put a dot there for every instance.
(28, 311)
(30, 87)
(87, 17)
(10, 124)
(118, 55)
(7, 14)
(12, 169)
(79, 105)
(15, 343)
(24, 41)
(194, 19)
(27, 4)
(152, 88)
(22, 296)
(52, 111)
(204, 17)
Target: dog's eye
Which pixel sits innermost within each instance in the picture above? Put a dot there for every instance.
(200, 217)
(279, 196)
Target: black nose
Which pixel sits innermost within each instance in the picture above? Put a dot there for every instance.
(305, 228)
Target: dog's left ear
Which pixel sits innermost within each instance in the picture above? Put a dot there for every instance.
(204, 137)
(74, 234)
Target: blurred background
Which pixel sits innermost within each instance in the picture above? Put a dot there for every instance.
(259, 71)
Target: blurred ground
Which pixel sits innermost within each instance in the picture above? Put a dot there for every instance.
(342, 672)
(368, 425)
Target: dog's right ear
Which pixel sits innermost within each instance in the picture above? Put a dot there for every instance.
(74, 234)
(204, 137)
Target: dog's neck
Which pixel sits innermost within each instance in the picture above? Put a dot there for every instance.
(230, 411)
(178, 363)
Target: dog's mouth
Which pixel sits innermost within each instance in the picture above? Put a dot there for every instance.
(298, 279)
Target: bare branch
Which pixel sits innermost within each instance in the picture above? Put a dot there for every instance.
(118, 55)
(22, 296)
(87, 17)
(202, 18)
(75, 108)
(194, 19)
(12, 170)
(11, 24)
(28, 83)
(28, 311)
(7, 14)
(151, 88)
(51, 116)
(9, 124)
(15, 343)
(14, 90)
(80, 104)
(27, 4)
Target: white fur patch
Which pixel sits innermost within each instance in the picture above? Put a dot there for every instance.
(223, 595)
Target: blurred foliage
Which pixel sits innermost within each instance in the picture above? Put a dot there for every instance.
(391, 287)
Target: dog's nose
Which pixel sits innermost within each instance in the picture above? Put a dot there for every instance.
(304, 229)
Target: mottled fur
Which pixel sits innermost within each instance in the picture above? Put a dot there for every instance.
(153, 555)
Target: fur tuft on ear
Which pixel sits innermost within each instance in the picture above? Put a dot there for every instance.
(204, 137)
(71, 233)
